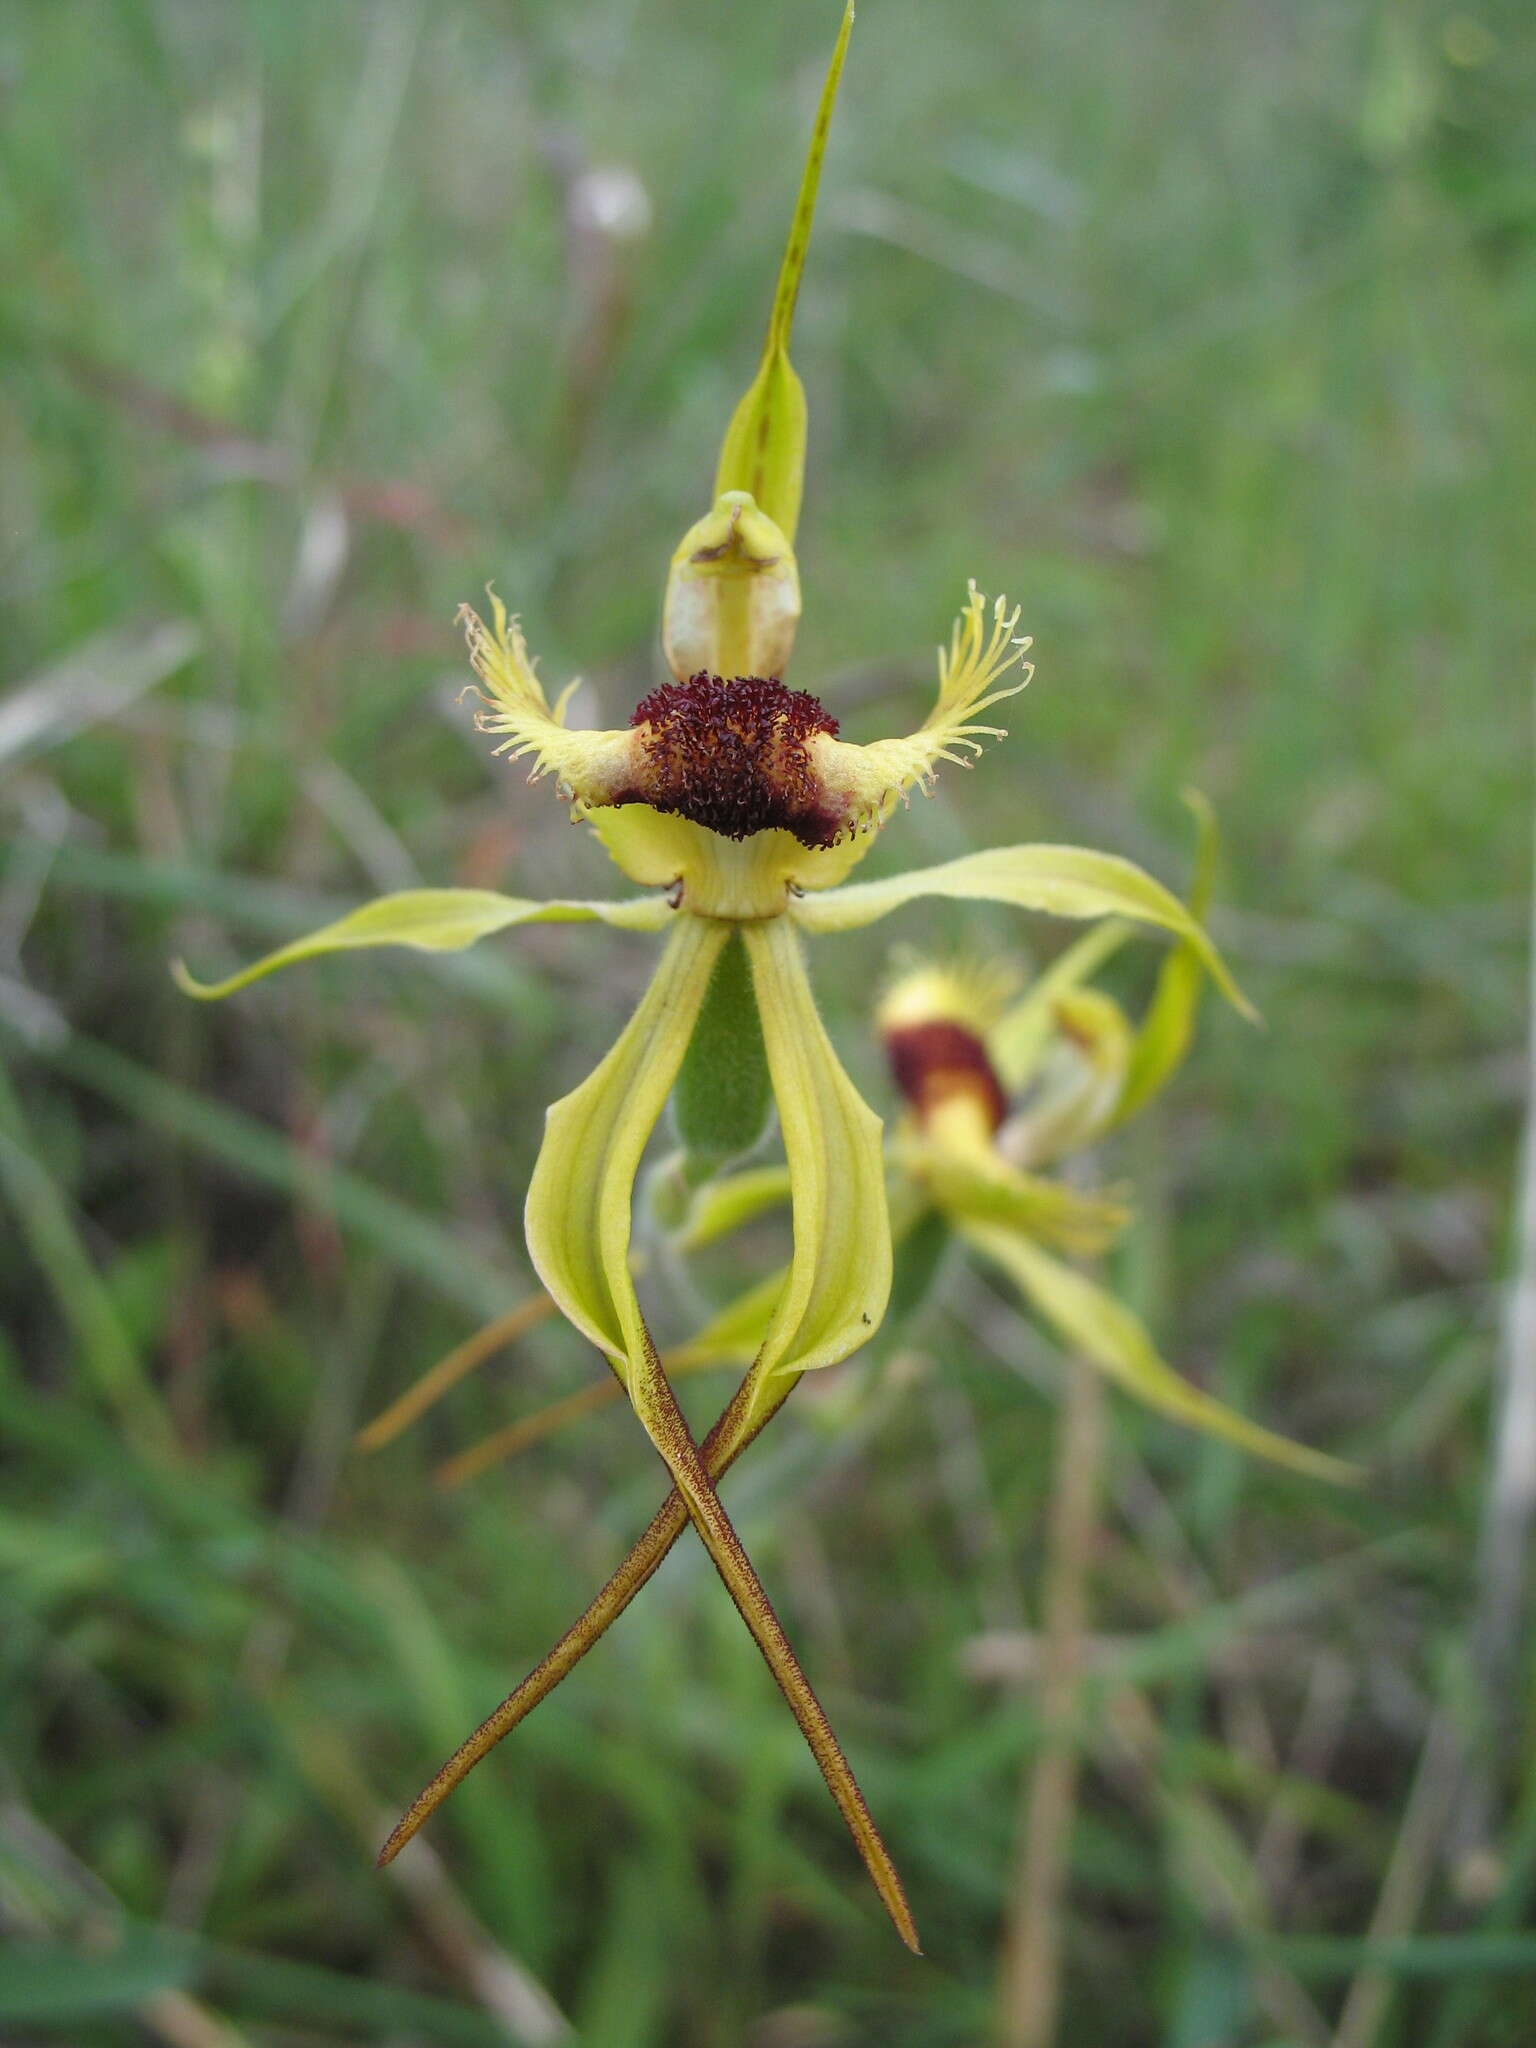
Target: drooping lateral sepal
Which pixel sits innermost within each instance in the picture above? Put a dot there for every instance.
(579, 1204)
(578, 1225)
(840, 1274)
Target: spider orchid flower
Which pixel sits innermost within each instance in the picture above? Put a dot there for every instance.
(964, 1161)
(731, 800)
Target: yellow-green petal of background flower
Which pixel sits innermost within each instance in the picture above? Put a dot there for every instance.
(1022, 1033)
(1165, 1031)
(581, 1193)
(840, 1273)
(726, 1203)
(433, 921)
(986, 1189)
(1108, 1335)
(1062, 881)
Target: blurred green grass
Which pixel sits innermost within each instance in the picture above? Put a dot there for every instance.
(1207, 331)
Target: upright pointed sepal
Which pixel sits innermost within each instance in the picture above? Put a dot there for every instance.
(764, 447)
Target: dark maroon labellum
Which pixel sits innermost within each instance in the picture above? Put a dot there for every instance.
(933, 1062)
(732, 755)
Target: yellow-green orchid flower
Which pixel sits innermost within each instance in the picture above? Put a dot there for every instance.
(997, 1086)
(731, 799)
(960, 1043)
(960, 1047)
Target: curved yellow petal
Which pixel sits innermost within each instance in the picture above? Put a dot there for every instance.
(432, 921)
(1163, 1036)
(1062, 881)
(1111, 1337)
(840, 1275)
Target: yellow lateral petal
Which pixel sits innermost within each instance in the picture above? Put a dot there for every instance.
(840, 1274)
(432, 921)
(1062, 881)
(1111, 1337)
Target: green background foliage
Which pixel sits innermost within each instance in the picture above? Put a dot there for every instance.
(1206, 329)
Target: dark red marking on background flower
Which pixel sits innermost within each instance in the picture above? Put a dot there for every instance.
(934, 1062)
(731, 754)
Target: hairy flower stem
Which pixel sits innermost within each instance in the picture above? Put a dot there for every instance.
(756, 1401)
(656, 1405)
